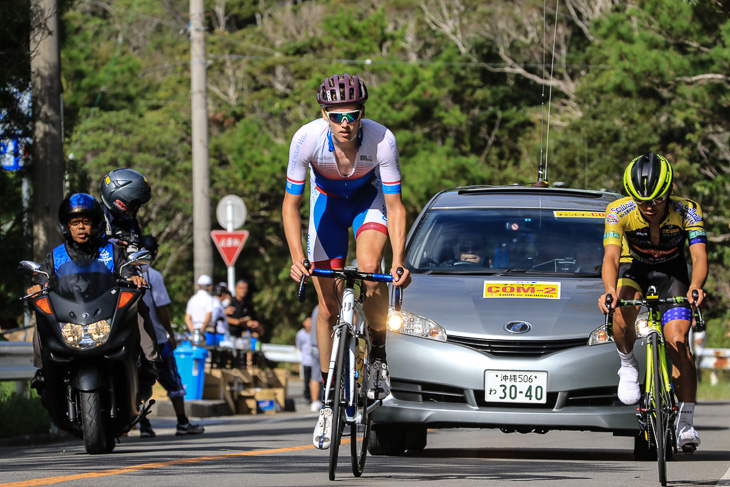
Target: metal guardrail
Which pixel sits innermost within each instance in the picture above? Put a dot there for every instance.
(16, 361)
(16, 358)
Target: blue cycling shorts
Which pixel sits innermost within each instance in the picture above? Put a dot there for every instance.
(330, 218)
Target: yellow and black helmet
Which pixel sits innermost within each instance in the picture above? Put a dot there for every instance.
(648, 177)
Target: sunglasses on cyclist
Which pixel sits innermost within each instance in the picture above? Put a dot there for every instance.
(654, 201)
(338, 117)
(468, 247)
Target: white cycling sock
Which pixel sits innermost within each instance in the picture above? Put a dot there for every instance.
(686, 415)
(628, 359)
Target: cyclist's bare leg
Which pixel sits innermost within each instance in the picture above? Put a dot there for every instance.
(326, 318)
(370, 246)
(683, 373)
(624, 331)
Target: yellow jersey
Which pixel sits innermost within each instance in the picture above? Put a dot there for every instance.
(627, 227)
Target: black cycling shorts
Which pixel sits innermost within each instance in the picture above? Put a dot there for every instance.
(670, 279)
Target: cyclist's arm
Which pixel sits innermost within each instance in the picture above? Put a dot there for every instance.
(293, 230)
(609, 273)
(397, 233)
(698, 252)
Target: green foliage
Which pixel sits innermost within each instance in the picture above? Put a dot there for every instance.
(647, 76)
(21, 415)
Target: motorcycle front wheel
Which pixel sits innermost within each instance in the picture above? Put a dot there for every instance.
(92, 423)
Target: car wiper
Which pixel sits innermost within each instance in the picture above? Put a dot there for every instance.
(463, 272)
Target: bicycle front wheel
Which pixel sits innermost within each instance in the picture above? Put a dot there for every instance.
(659, 417)
(339, 401)
(360, 427)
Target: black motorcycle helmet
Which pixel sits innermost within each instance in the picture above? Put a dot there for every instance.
(150, 243)
(123, 191)
(79, 204)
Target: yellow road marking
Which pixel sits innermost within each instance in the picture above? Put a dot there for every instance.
(148, 466)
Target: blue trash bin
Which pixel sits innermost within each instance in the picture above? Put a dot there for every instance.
(191, 367)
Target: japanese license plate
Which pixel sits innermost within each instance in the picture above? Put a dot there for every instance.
(515, 386)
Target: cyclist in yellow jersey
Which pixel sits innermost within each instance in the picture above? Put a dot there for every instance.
(643, 246)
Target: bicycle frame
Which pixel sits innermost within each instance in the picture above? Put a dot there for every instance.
(657, 411)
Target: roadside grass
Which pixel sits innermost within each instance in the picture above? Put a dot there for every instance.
(21, 415)
(714, 392)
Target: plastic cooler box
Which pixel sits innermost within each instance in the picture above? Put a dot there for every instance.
(191, 367)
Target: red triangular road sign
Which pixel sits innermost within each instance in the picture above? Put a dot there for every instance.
(229, 244)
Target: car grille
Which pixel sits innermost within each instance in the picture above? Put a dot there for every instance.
(426, 392)
(517, 348)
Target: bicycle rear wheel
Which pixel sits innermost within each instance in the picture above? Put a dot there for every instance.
(360, 428)
(660, 419)
(338, 401)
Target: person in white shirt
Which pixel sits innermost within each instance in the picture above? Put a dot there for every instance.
(199, 311)
(218, 321)
(304, 343)
(157, 300)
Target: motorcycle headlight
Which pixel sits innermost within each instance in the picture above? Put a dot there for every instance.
(99, 331)
(72, 333)
(414, 325)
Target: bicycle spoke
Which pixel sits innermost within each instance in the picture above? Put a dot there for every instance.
(338, 403)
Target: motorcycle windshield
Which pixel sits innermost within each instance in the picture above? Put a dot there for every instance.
(82, 280)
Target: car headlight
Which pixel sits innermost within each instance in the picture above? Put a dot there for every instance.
(85, 336)
(599, 335)
(414, 325)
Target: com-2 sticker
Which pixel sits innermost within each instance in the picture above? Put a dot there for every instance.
(579, 214)
(522, 289)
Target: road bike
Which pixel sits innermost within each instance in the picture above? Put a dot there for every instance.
(347, 393)
(657, 410)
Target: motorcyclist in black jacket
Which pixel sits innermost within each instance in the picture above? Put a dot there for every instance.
(123, 192)
(81, 219)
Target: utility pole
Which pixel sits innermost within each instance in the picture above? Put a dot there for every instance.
(47, 163)
(202, 249)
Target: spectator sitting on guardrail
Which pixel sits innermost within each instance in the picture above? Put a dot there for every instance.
(157, 300)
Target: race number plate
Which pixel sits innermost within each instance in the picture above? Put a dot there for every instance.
(515, 386)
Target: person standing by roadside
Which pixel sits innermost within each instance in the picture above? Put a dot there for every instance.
(199, 311)
(157, 300)
(304, 344)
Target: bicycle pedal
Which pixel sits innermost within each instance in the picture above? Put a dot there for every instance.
(689, 448)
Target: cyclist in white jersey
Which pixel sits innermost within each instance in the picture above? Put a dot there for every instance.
(355, 182)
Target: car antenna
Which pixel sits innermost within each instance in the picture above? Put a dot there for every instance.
(542, 179)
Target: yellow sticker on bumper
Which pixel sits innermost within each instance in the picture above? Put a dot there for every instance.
(522, 289)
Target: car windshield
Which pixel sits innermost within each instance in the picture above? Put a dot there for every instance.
(82, 280)
(502, 241)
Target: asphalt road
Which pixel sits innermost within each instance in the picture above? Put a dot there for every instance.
(276, 450)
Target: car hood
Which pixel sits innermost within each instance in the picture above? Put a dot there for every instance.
(457, 303)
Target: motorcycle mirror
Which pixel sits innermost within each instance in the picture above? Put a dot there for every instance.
(32, 267)
(141, 257)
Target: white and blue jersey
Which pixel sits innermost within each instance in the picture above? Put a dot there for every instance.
(339, 201)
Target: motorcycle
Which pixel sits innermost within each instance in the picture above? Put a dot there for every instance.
(87, 324)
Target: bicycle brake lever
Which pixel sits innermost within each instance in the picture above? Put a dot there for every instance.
(608, 317)
(303, 282)
(398, 291)
(699, 322)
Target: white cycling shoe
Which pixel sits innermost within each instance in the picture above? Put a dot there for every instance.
(323, 430)
(628, 385)
(379, 380)
(688, 437)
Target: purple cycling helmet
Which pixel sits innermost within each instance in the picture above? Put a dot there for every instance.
(342, 89)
